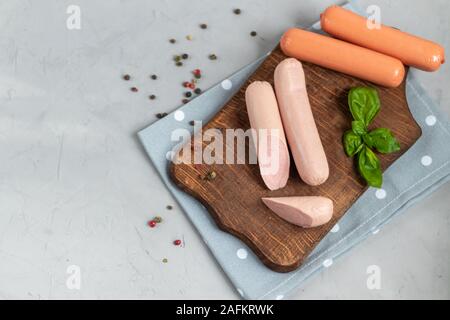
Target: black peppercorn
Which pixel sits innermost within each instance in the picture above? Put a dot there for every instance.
(203, 26)
(126, 77)
(172, 41)
(134, 89)
(154, 77)
(198, 91)
(237, 11)
(187, 94)
(184, 56)
(152, 97)
(253, 33)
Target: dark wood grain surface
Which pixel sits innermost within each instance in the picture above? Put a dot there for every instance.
(234, 197)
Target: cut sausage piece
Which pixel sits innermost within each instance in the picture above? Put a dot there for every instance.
(411, 50)
(305, 212)
(271, 145)
(298, 121)
(343, 57)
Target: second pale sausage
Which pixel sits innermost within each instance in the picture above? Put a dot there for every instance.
(298, 122)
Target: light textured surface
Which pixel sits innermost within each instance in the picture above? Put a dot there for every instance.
(76, 188)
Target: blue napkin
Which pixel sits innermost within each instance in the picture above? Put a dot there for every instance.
(422, 169)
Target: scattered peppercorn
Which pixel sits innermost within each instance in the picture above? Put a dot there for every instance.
(189, 37)
(187, 94)
(152, 97)
(237, 11)
(169, 207)
(165, 260)
(212, 57)
(179, 63)
(177, 242)
(184, 56)
(203, 26)
(172, 40)
(177, 58)
(186, 84)
(134, 89)
(210, 175)
(161, 115)
(198, 91)
(253, 33)
(157, 219)
(154, 77)
(152, 224)
(126, 77)
(185, 101)
(192, 122)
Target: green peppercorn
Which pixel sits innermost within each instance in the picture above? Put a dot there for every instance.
(210, 175)
(212, 57)
(179, 63)
(157, 219)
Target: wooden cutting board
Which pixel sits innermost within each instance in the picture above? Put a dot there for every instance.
(233, 198)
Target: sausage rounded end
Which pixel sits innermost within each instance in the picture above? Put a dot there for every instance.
(286, 40)
(397, 76)
(317, 178)
(326, 15)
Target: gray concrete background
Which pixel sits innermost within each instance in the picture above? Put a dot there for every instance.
(77, 189)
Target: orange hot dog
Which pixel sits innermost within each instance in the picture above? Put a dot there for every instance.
(343, 57)
(411, 50)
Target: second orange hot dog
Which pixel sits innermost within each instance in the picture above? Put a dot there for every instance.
(411, 50)
(343, 57)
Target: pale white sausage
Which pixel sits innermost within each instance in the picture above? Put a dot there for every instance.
(298, 122)
(271, 145)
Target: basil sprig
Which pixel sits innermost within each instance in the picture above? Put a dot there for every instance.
(364, 105)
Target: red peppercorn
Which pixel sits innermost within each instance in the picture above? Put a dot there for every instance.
(196, 71)
(186, 84)
(177, 242)
(191, 86)
(152, 224)
(134, 89)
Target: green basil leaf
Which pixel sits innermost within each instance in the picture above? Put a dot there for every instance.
(369, 167)
(359, 127)
(382, 140)
(352, 143)
(364, 104)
